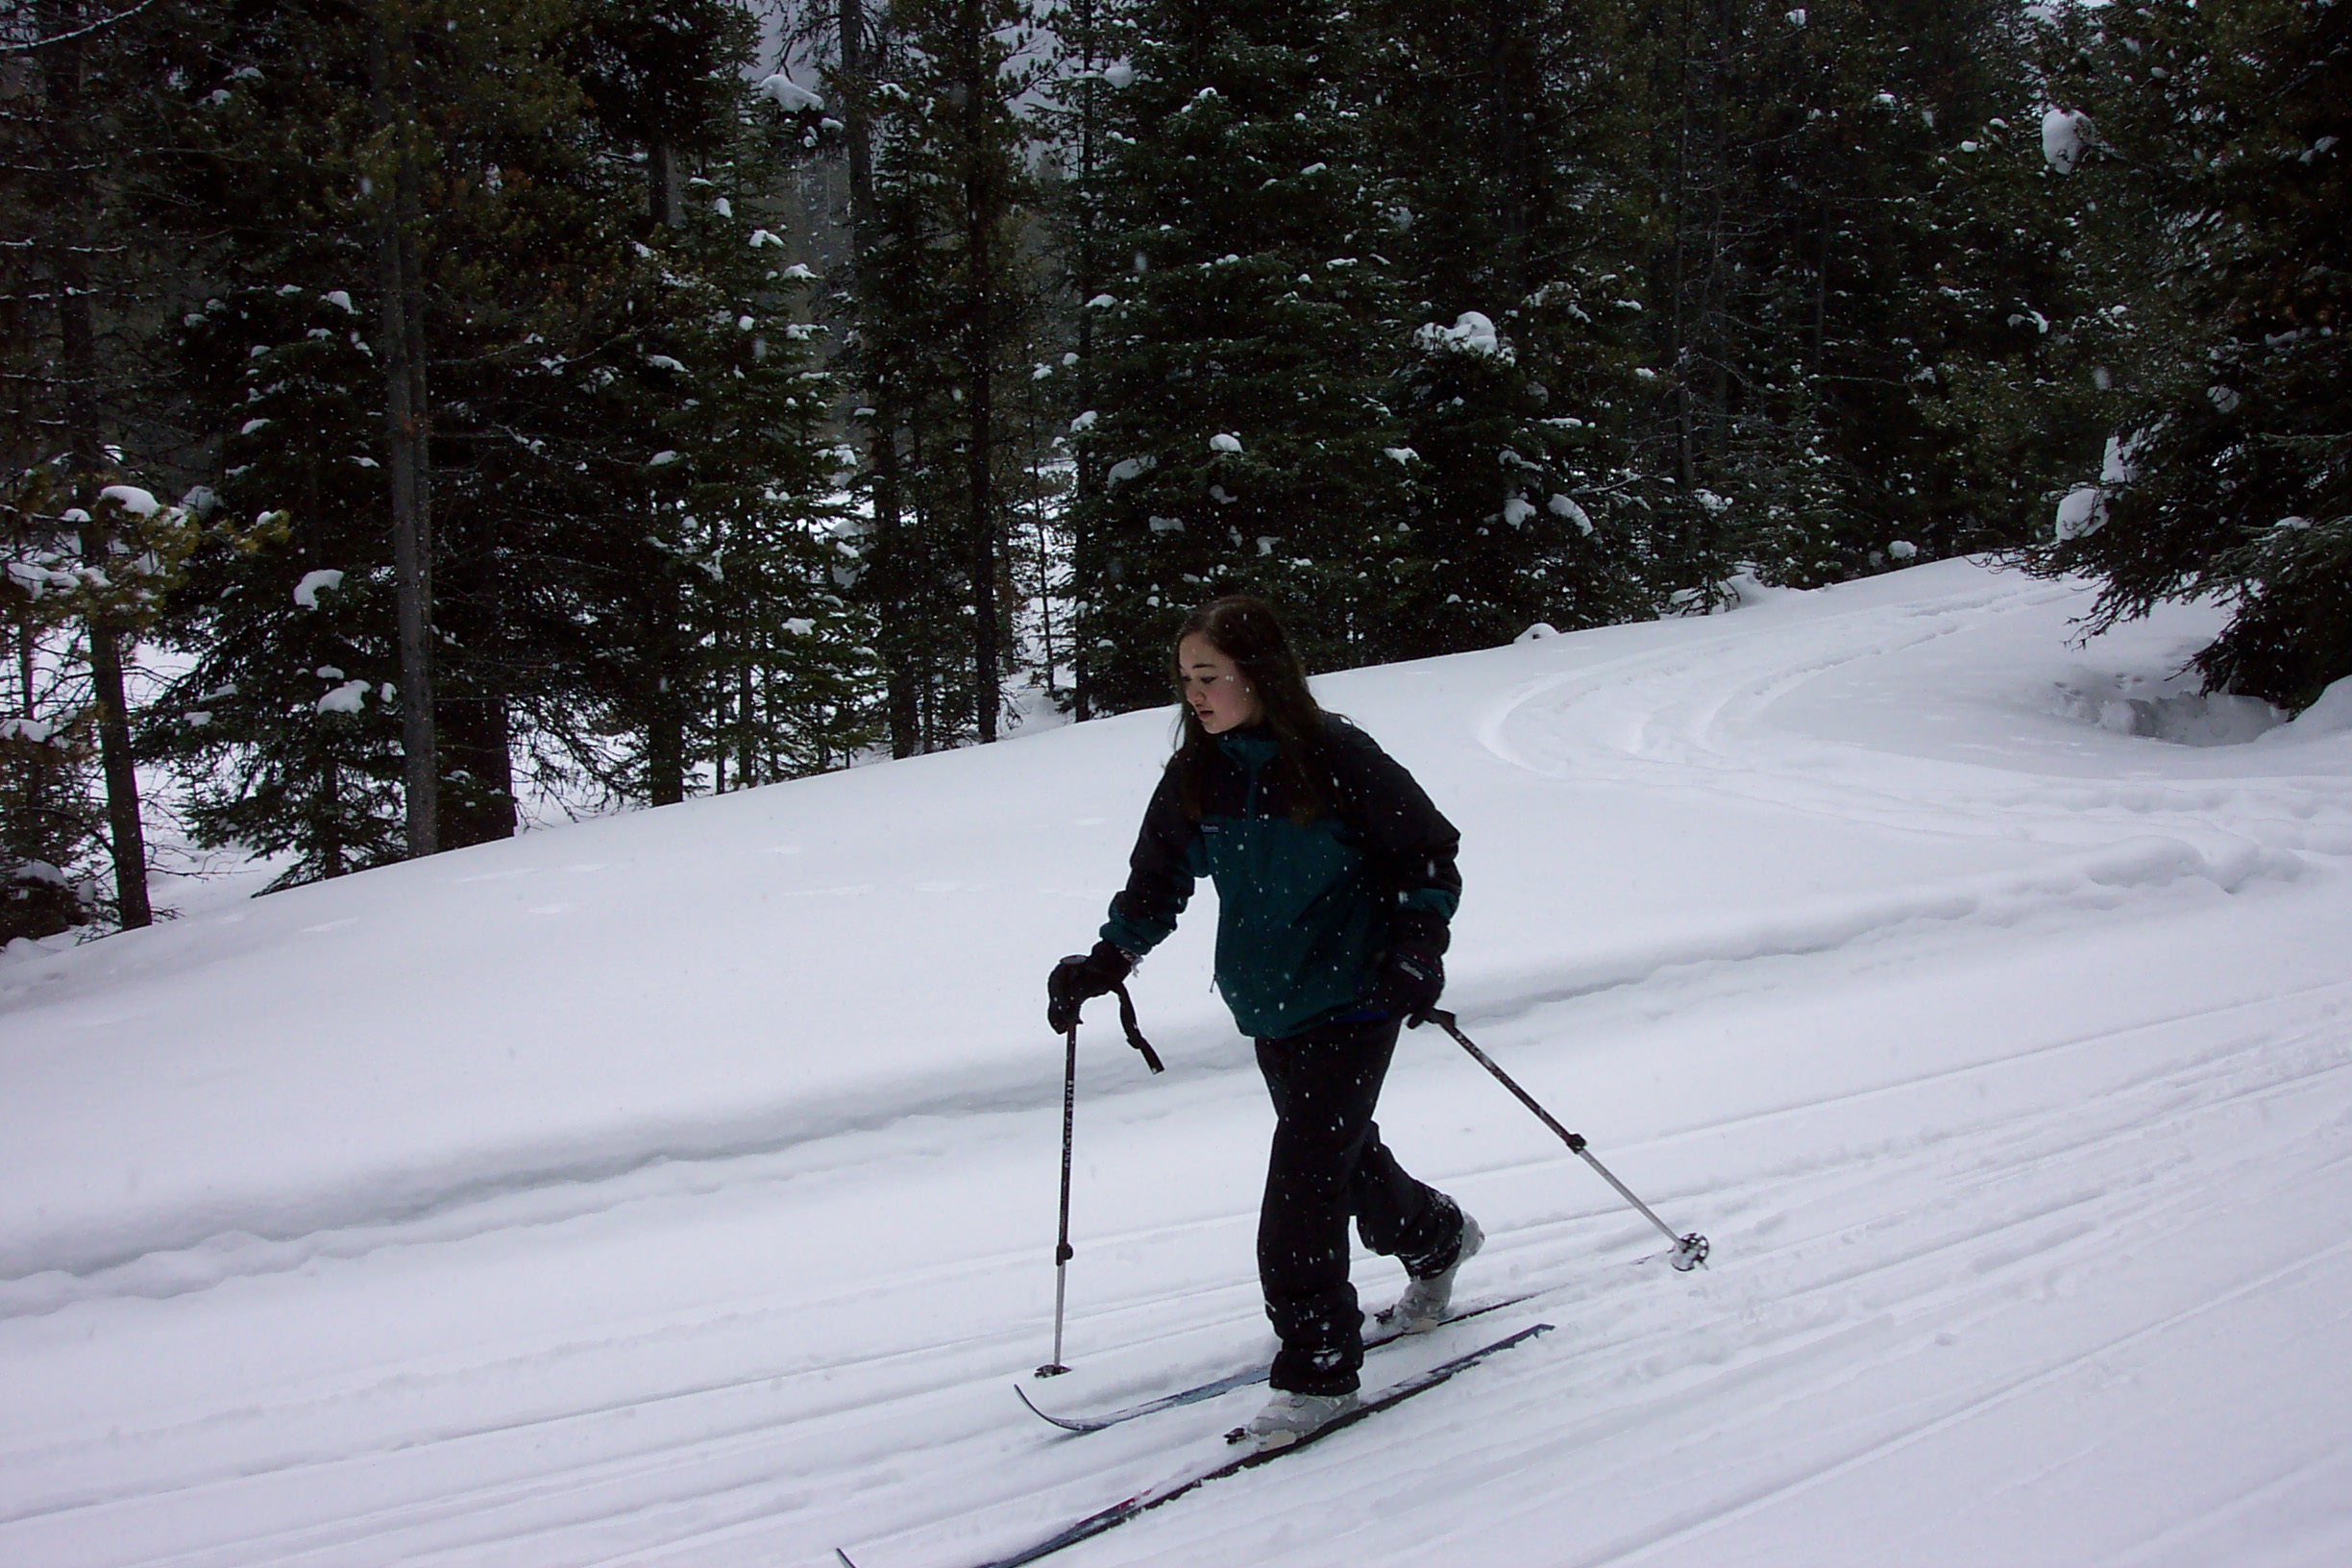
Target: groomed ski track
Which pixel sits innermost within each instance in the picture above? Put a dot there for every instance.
(2006, 1060)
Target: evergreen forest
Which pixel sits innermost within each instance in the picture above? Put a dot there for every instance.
(419, 417)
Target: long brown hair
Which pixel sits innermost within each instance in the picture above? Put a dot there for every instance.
(1246, 630)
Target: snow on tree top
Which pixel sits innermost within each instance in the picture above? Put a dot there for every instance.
(789, 95)
(1472, 333)
(2066, 136)
(32, 731)
(2081, 513)
(348, 697)
(313, 583)
(131, 498)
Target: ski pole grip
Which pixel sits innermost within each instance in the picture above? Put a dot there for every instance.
(1135, 1035)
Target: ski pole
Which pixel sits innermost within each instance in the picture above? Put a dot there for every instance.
(1689, 1251)
(1069, 1112)
(1062, 1248)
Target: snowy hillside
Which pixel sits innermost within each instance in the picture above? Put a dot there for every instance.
(680, 1189)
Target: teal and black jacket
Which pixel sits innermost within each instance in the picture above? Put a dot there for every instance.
(1305, 911)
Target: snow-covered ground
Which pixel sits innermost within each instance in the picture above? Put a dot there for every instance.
(679, 1188)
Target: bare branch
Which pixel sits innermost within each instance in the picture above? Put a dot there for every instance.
(98, 26)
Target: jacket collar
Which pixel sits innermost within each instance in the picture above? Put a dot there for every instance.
(1252, 748)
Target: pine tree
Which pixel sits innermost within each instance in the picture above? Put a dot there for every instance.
(337, 166)
(2215, 196)
(74, 296)
(1244, 429)
(288, 723)
(1097, 38)
(620, 427)
(680, 425)
(1841, 267)
(945, 298)
(50, 825)
(70, 575)
(1947, 262)
(1501, 124)
(853, 37)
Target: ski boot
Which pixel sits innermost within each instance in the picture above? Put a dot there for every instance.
(1422, 1305)
(1288, 1417)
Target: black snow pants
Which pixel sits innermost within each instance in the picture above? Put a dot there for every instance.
(1328, 1162)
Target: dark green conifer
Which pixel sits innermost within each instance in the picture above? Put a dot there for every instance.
(1500, 123)
(2213, 182)
(946, 294)
(1247, 344)
(623, 467)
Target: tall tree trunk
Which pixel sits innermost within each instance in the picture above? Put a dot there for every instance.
(1673, 178)
(1507, 43)
(1085, 270)
(902, 683)
(748, 773)
(405, 402)
(476, 743)
(665, 698)
(71, 233)
(987, 693)
(1720, 219)
(473, 734)
(665, 183)
(981, 198)
(117, 764)
(664, 701)
(901, 710)
(329, 819)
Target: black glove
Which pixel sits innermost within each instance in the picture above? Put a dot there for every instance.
(1412, 977)
(1077, 978)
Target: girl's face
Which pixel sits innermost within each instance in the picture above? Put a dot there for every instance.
(1213, 687)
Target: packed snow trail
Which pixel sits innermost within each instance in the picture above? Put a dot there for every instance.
(611, 1196)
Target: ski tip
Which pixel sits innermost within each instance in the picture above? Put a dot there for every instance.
(845, 1556)
(1061, 1421)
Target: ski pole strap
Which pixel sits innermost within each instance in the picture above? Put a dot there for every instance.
(1135, 1035)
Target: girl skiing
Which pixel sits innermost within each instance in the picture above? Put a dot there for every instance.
(1335, 881)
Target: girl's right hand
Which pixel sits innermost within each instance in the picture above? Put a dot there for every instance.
(1079, 977)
